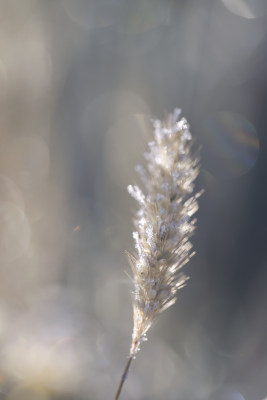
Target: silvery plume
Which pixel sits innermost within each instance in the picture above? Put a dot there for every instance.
(163, 224)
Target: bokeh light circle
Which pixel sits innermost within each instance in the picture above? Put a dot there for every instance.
(9, 192)
(249, 9)
(230, 144)
(90, 15)
(29, 162)
(227, 393)
(14, 232)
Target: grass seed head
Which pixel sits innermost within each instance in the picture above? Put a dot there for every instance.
(163, 222)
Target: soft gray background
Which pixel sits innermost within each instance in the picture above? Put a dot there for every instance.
(79, 81)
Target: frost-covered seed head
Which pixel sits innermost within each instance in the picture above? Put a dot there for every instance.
(163, 222)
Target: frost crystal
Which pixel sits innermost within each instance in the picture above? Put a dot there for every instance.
(163, 222)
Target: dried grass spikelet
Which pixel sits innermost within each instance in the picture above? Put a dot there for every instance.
(163, 224)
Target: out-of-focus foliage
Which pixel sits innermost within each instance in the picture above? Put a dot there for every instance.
(79, 81)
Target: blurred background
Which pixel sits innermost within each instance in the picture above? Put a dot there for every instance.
(79, 81)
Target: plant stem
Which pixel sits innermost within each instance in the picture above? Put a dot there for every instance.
(124, 377)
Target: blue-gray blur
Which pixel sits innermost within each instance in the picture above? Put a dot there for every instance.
(79, 82)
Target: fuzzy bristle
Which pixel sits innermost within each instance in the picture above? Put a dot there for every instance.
(163, 222)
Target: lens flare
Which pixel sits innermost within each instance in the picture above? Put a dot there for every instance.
(231, 143)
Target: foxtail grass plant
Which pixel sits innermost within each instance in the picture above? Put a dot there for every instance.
(163, 225)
